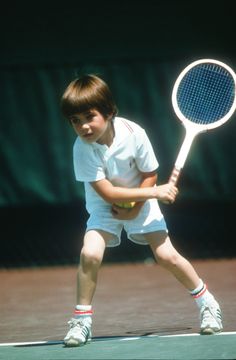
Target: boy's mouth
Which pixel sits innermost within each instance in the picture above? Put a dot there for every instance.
(87, 135)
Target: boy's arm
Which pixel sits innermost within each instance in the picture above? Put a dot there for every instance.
(149, 179)
(114, 194)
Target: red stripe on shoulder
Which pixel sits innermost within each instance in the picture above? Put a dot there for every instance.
(127, 125)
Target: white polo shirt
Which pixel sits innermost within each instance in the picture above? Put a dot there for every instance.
(130, 153)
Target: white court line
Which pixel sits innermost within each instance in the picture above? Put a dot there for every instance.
(32, 343)
(196, 334)
(129, 338)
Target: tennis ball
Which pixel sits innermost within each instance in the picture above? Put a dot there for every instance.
(126, 205)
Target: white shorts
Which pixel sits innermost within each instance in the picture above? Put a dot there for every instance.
(149, 219)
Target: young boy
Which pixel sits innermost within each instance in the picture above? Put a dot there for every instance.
(115, 160)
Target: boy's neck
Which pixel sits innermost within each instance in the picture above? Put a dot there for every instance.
(109, 135)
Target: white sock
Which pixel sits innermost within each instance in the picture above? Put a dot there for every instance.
(83, 311)
(201, 295)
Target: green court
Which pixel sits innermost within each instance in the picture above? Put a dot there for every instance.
(221, 346)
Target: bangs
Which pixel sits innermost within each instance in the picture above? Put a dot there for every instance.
(77, 105)
(77, 101)
(86, 94)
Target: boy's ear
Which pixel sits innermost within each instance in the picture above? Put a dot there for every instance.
(110, 116)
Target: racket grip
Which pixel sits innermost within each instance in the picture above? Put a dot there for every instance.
(174, 176)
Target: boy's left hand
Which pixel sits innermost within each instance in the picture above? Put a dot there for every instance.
(120, 213)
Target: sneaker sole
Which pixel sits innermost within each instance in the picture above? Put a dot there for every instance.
(210, 331)
(75, 343)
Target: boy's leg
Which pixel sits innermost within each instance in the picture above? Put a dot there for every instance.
(90, 261)
(168, 257)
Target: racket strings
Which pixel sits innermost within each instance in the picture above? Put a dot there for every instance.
(206, 93)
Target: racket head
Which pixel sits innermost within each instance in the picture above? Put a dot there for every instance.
(204, 94)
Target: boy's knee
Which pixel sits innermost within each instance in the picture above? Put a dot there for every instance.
(168, 260)
(90, 256)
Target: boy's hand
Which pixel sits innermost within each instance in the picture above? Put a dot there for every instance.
(167, 193)
(121, 213)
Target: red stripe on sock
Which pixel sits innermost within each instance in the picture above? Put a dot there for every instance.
(196, 296)
(83, 313)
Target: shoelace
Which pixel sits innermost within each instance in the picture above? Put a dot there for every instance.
(75, 322)
(206, 314)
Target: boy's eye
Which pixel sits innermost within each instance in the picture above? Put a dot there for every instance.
(74, 120)
(89, 116)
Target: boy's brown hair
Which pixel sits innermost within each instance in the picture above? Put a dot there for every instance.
(86, 93)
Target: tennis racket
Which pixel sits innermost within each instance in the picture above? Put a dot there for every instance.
(203, 98)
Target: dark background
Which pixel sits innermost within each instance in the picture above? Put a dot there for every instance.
(139, 48)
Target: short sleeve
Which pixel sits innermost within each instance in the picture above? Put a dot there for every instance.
(88, 167)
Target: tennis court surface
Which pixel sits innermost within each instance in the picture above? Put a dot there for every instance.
(140, 312)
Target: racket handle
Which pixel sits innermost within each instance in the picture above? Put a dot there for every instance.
(174, 176)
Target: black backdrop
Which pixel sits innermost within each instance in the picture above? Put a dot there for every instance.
(139, 48)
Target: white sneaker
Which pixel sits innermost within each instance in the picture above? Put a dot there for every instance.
(211, 318)
(79, 333)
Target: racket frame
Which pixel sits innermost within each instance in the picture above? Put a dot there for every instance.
(193, 129)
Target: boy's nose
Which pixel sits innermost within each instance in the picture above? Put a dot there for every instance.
(84, 127)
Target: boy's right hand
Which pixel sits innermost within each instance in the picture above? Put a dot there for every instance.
(167, 193)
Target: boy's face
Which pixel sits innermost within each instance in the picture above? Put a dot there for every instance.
(91, 126)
